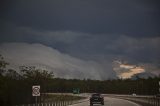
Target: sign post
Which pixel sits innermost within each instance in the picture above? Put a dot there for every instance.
(36, 92)
(159, 86)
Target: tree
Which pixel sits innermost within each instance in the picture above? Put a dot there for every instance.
(3, 65)
(36, 76)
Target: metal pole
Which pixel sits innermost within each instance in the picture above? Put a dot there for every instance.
(36, 100)
(159, 86)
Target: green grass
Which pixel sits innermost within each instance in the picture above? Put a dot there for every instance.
(63, 97)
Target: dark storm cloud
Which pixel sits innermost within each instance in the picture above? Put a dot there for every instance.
(93, 30)
(136, 18)
(88, 46)
(135, 50)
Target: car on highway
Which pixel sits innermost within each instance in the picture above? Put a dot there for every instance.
(96, 99)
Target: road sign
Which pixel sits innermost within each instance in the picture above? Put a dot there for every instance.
(36, 90)
(76, 91)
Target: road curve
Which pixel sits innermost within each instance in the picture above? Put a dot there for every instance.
(110, 102)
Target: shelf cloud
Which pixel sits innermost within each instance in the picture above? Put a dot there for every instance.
(41, 56)
(82, 39)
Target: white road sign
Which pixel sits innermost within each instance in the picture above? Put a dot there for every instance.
(36, 90)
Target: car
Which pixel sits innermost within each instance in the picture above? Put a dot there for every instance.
(96, 99)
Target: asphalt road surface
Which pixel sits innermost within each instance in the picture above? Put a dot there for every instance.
(110, 102)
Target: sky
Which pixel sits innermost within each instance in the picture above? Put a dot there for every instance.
(96, 39)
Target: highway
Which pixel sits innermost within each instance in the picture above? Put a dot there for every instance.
(110, 102)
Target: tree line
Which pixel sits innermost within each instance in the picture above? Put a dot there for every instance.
(16, 85)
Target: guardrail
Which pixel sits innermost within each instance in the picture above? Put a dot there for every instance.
(58, 103)
(144, 100)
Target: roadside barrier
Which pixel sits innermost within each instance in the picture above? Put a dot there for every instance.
(56, 103)
(149, 100)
